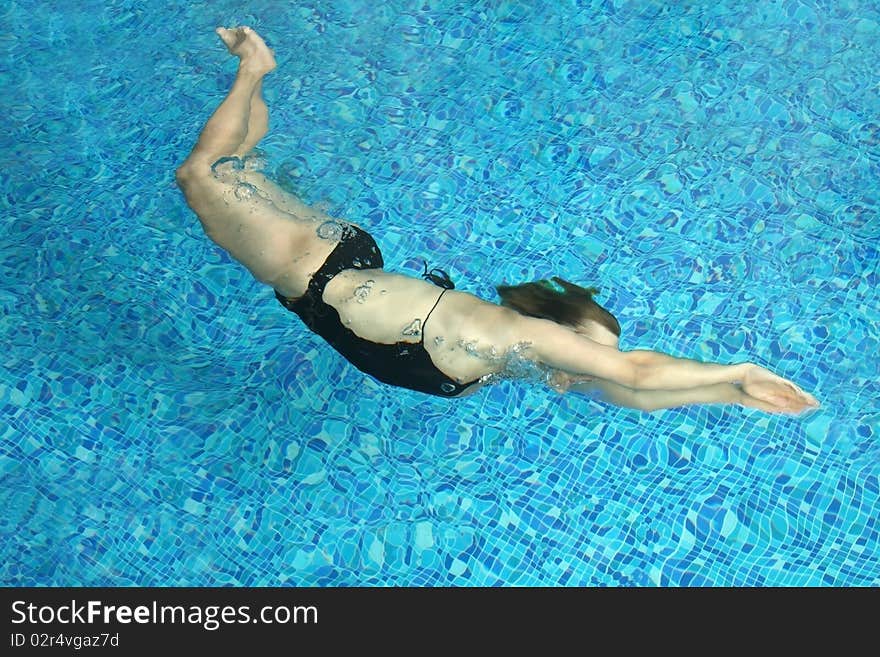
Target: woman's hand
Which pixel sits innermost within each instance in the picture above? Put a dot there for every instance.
(773, 394)
(561, 381)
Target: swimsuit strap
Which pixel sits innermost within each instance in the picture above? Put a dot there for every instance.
(438, 277)
(429, 314)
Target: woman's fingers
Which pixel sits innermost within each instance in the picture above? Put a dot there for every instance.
(780, 394)
(764, 384)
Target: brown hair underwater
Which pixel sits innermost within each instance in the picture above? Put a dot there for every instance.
(557, 300)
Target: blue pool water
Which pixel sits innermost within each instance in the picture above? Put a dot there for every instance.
(711, 165)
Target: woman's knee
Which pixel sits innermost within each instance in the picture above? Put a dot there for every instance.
(191, 172)
(184, 175)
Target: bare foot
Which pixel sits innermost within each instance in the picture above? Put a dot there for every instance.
(248, 46)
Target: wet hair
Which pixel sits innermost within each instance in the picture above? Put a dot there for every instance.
(557, 300)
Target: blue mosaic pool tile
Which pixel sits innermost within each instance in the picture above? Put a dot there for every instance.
(711, 168)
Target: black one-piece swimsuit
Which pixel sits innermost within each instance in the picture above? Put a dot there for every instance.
(402, 364)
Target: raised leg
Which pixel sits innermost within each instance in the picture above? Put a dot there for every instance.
(258, 122)
(241, 120)
(250, 225)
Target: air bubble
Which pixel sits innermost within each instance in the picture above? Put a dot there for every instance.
(255, 162)
(414, 328)
(226, 165)
(244, 191)
(518, 367)
(363, 291)
(447, 387)
(330, 230)
(470, 348)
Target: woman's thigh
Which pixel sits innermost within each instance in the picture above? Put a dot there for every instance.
(277, 247)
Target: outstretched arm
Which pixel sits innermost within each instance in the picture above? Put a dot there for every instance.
(659, 371)
(581, 358)
(653, 400)
(758, 388)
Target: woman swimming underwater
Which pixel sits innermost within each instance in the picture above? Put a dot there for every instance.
(419, 332)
